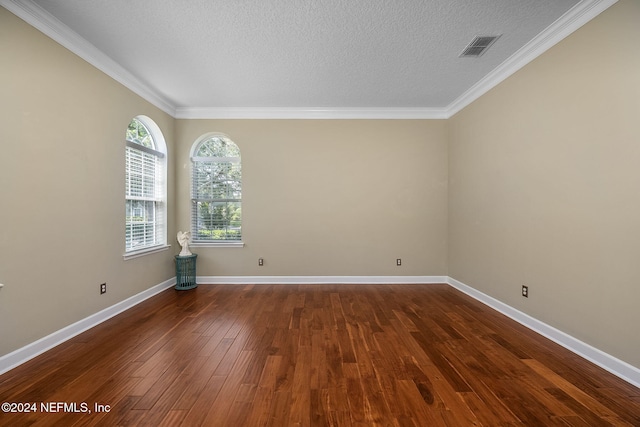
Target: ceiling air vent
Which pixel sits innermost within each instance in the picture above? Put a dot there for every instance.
(478, 46)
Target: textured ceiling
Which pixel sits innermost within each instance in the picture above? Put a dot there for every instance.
(305, 53)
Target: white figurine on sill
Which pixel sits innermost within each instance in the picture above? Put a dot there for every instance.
(183, 239)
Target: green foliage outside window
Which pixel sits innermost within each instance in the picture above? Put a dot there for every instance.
(217, 190)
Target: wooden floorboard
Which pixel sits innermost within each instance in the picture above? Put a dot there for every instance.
(314, 355)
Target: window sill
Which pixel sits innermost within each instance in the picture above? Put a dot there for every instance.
(229, 244)
(143, 252)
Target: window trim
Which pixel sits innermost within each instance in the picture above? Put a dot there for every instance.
(161, 152)
(217, 244)
(146, 251)
(193, 158)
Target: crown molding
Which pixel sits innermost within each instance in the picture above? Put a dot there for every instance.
(46, 23)
(42, 20)
(573, 19)
(310, 113)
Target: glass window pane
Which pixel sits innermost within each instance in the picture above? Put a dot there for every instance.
(217, 190)
(144, 190)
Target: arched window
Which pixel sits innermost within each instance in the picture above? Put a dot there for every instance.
(216, 190)
(145, 187)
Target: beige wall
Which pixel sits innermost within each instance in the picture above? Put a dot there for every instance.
(330, 197)
(535, 183)
(545, 186)
(62, 127)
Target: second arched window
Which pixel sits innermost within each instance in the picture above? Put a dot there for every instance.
(216, 190)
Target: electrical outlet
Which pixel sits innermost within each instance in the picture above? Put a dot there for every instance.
(525, 291)
(260, 262)
(398, 261)
(103, 288)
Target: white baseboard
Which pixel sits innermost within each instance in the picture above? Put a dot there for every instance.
(621, 369)
(617, 367)
(319, 280)
(29, 351)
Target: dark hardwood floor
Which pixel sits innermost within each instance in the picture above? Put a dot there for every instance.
(315, 355)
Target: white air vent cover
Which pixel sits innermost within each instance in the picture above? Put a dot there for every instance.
(478, 46)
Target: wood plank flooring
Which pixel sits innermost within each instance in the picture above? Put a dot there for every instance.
(315, 355)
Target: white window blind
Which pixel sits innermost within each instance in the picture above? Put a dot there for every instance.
(144, 190)
(216, 211)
